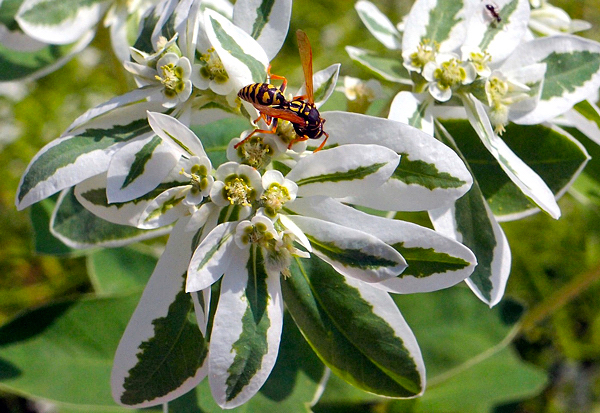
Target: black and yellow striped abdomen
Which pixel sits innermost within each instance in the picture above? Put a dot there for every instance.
(263, 94)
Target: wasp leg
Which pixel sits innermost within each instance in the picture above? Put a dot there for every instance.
(272, 130)
(304, 138)
(272, 76)
(322, 143)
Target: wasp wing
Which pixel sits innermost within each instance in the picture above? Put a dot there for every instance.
(306, 59)
(280, 113)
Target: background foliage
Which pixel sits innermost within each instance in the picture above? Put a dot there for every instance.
(553, 284)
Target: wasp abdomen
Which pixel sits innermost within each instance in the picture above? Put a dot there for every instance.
(263, 94)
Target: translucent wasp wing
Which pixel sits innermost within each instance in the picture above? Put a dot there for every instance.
(300, 111)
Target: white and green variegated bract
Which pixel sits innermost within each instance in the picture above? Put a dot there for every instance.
(264, 20)
(160, 341)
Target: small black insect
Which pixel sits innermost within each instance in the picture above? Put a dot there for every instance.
(493, 11)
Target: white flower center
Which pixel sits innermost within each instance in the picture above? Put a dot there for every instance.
(425, 53)
(274, 198)
(449, 74)
(172, 78)
(213, 68)
(238, 190)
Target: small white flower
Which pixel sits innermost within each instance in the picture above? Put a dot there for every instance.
(501, 94)
(277, 191)
(447, 73)
(548, 20)
(236, 185)
(259, 230)
(198, 172)
(358, 89)
(481, 61)
(149, 59)
(425, 53)
(256, 151)
(174, 73)
(211, 74)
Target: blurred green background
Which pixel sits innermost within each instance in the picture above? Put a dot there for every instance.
(556, 264)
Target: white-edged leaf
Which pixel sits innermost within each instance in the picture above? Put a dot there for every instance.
(267, 21)
(351, 252)
(176, 134)
(440, 21)
(247, 329)
(162, 355)
(78, 228)
(32, 61)
(572, 75)
(356, 330)
(165, 209)
(139, 167)
(70, 160)
(131, 105)
(434, 261)
(212, 257)
(518, 171)
(378, 24)
(243, 58)
(483, 234)
(498, 38)
(59, 21)
(344, 169)
(471, 222)
(91, 193)
(411, 108)
(389, 68)
(324, 82)
(429, 174)
(585, 116)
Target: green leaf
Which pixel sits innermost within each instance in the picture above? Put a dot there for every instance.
(55, 12)
(461, 343)
(45, 242)
(63, 351)
(18, 65)
(79, 228)
(471, 222)
(117, 270)
(339, 322)
(389, 68)
(293, 383)
(568, 71)
(170, 357)
(551, 152)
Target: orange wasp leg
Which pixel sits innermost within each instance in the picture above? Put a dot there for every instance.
(273, 130)
(304, 138)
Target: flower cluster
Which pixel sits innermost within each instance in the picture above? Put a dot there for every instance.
(484, 63)
(268, 215)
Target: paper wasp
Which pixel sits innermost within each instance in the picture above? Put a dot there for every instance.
(300, 111)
